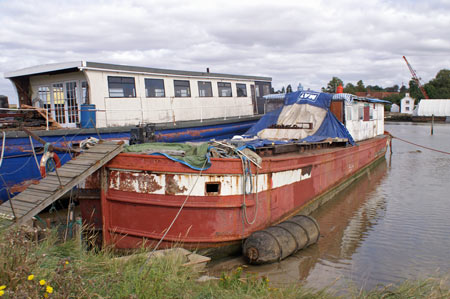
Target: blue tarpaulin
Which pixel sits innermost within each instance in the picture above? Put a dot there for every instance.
(330, 127)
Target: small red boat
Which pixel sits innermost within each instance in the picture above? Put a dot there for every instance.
(147, 198)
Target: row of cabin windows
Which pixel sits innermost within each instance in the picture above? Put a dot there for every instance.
(124, 87)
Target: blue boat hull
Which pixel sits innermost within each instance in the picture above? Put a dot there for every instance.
(19, 168)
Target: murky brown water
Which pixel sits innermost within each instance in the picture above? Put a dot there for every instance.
(392, 224)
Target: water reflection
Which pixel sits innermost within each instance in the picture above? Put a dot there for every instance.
(344, 223)
(390, 225)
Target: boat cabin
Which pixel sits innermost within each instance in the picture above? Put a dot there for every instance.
(118, 95)
(363, 117)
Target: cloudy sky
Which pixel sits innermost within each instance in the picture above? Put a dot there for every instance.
(290, 41)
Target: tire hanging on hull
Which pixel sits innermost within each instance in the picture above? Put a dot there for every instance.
(282, 240)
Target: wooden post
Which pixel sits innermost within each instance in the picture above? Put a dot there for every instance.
(79, 231)
(432, 123)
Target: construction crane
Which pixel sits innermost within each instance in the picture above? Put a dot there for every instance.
(415, 78)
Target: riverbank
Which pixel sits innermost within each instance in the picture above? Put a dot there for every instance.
(53, 269)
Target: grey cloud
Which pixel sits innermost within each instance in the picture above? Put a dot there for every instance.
(291, 41)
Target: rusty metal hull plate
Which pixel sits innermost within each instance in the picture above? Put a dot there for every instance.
(144, 193)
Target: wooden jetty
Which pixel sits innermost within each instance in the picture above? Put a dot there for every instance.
(35, 198)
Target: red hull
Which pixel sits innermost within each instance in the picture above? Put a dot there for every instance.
(136, 206)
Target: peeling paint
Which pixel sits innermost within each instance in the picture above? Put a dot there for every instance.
(140, 182)
(172, 186)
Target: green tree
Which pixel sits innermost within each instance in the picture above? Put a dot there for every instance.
(414, 90)
(360, 86)
(333, 84)
(392, 88)
(439, 87)
(350, 88)
(374, 87)
(289, 88)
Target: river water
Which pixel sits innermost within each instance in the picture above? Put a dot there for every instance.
(390, 225)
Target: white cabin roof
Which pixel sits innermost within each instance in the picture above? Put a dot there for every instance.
(86, 65)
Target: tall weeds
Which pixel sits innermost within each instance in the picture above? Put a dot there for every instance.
(49, 268)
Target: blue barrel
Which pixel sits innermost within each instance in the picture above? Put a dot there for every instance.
(88, 119)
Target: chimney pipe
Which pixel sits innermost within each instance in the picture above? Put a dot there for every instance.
(207, 69)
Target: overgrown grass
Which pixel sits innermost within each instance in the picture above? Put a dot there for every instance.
(28, 268)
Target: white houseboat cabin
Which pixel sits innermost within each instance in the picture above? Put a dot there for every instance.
(128, 95)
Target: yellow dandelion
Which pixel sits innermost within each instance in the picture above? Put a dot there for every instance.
(2, 293)
(45, 295)
(67, 262)
(42, 282)
(49, 289)
(30, 277)
(2, 287)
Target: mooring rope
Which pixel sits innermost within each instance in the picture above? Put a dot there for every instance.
(174, 219)
(422, 146)
(34, 152)
(3, 148)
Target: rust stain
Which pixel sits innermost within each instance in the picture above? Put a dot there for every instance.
(22, 186)
(306, 170)
(172, 187)
(93, 181)
(192, 133)
(135, 182)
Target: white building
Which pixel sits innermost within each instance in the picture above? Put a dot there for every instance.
(395, 108)
(407, 104)
(129, 95)
(436, 107)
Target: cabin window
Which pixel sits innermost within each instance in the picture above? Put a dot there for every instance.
(241, 90)
(212, 188)
(407, 101)
(348, 113)
(371, 113)
(360, 112)
(204, 89)
(58, 100)
(154, 88)
(366, 112)
(224, 89)
(182, 88)
(44, 96)
(407, 108)
(121, 87)
(84, 92)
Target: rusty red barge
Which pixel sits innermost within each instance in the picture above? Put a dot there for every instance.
(141, 195)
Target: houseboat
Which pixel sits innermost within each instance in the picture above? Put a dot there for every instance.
(285, 164)
(107, 101)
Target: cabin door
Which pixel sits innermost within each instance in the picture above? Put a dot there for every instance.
(65, 106)
(252, 91)
(72, 103)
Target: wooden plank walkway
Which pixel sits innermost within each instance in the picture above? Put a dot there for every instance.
(37, 197)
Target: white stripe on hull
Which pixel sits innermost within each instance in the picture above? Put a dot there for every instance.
(180, 184)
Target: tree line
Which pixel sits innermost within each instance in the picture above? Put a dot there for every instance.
(436, 88)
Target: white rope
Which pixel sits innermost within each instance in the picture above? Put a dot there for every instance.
(3, 148)
(34, 153)
(244, 205)
(175, 218)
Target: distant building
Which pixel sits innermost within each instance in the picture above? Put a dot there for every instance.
(407, 104)
(436, 107)
(395, 108)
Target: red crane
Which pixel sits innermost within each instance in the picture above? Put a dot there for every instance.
(415, 78)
